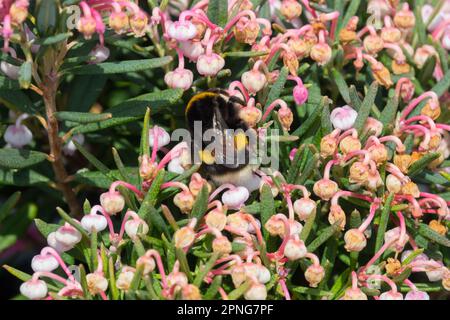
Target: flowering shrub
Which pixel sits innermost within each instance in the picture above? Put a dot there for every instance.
(352, 99)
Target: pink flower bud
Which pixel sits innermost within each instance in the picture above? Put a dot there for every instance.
(99, 54)
(177, 278)
(314, 275)
(46, 263)
(304, 208)
(112, 202)
(87, 26)
(256, 292)
(343, 118)
(235, 198)
(417, 295)
(96, 283)
(221, 245)
(147, 262)
(393, 184)
(321, 53)
(300, 94)
(125, 278)
(184, 200)
(422, 54)
(216, 219)
(184, 237)
(399, 244)
(325, 189)
(68, 235)
(192, 49)
(263, 274)
(139, 23)
(290, 9)
(237, 221)
(354, 294)
(253, 81)
(34, 289)
(55, 244)
(250, 115)
(337, 214)
(436, 274)
(373, 44)
(18, 136)
(93, 221)
(179, 79)
(373, 125)
(286, 118)
(391, 295)
(210, 64)
(355, 240)
(133, 226)
(182, 30)
(118, 21)
(163, 137)
(295, 249)
(175, 166)
(191, 292)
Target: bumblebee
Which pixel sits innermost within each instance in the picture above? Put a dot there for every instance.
(216, 129)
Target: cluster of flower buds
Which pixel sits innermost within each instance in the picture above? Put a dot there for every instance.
(121, 16)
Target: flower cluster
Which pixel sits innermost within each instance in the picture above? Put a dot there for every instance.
(357, 209)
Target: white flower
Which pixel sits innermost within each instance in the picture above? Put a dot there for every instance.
(94, 221)
(235, 198)
(343, 118)
(34, 289)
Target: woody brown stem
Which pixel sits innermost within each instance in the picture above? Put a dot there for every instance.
(50, 86)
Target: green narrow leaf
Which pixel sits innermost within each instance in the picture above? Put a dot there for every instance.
(19, 159)
(145, 145)
(350, 12)
(201, 204)
(342, 85)
(92, 159)
(308, 226)
(311, 120)
(245, 54)
(354, 98)
(114, 291)
(46, 17)
(184, 265)
(311, 165)
(9, 204)
(238, 292)
(134, 109)
(388, 115)
(324, 236)
(326, 124)
(419, 165)
(82, 117)
(267, 207)
(218, 12)
(366, 105)
(45, 228)
(384, 219)
(277, 87)
(213, 288)
(47, 41)
(429, 233)
(205, 269)
(120, 67)
(151, 196)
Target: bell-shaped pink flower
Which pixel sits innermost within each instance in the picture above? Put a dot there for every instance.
(343, 118)
(210, 64)
(182, 30)
(34, 289)
(235, 198)
(300, 94)
(179, 79)
(192, 49)
(99, 54)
